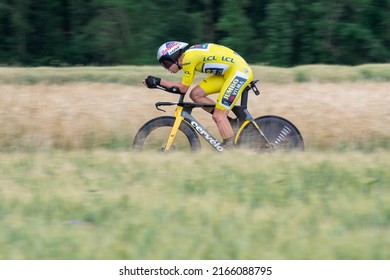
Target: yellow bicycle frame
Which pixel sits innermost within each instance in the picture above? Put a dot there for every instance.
(178, 119)
(243, 125)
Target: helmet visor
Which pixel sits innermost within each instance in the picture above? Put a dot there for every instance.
(166, 63)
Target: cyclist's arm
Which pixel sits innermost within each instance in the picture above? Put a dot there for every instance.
(168, 84)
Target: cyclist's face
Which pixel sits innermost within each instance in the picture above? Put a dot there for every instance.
(171, 67)
(167, 63)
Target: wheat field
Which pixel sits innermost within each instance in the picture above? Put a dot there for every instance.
(79, 115)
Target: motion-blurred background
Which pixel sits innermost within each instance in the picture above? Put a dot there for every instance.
(272, 32)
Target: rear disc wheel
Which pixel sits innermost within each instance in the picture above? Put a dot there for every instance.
(280, 133)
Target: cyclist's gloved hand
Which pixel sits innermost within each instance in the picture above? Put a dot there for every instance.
(152, 82)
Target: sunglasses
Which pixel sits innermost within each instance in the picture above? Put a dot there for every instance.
(167, 63)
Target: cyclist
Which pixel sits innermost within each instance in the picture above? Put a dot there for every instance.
(229, 76)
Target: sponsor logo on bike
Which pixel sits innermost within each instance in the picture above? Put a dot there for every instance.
(207, 136)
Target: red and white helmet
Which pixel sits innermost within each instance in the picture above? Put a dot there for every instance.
(170, 51)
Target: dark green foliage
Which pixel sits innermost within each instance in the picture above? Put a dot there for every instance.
(113, 32)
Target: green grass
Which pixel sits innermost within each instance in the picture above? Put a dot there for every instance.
(104, 204)
(132, 75)
(323, 73)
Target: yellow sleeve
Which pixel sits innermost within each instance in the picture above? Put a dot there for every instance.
(188, 66)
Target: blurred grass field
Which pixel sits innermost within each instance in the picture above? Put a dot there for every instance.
(71, 188)
(132, 75)
(118, 205)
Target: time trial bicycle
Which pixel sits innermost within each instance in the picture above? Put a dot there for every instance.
(182, 131)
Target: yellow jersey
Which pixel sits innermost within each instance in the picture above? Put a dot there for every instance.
(213, 59)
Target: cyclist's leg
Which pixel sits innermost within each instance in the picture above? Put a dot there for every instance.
(224, 126)
(209, 85)
(230, 93)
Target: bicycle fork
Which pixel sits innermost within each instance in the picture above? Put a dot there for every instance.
(178, 119)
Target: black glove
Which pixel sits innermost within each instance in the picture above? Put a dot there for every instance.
(152, 82)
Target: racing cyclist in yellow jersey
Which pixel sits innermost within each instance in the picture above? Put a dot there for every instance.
(229, 76)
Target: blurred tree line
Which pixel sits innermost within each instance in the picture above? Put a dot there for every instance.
(112, 32)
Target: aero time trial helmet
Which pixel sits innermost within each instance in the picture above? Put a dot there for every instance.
(169, 53)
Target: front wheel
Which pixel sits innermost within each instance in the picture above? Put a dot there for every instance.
(153, 136)
(280, 133)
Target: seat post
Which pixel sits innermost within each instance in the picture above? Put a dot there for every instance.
(244, 97)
